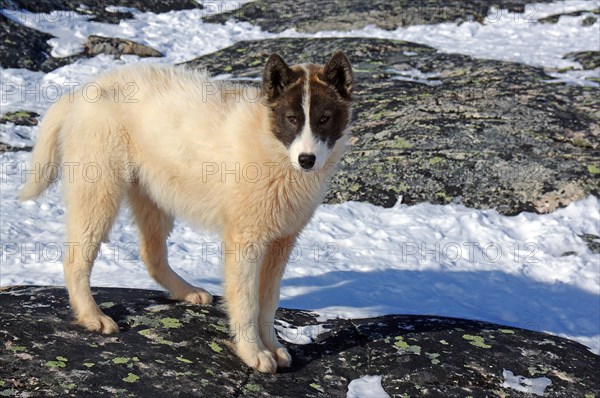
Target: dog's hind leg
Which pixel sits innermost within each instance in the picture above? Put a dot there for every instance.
(92, 206)
(155, 227)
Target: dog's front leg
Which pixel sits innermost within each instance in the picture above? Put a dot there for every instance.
(270, 280)
(243, 261)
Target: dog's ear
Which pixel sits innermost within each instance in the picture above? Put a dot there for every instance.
(276, 76)
(338, 72)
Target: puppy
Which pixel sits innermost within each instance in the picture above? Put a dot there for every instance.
(250, 163)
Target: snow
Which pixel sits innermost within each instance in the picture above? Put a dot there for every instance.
(354, 260)
(366, 387)
(298, 334)
(523, 384)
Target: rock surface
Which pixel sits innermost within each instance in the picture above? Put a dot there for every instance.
(20, 118)
(116, 46)
(175, 349)
(591, 18)
(310, 16)
(445, 128)
(100, 11)
(587, 59)
(23, 47)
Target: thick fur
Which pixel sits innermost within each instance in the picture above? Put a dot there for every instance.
(175, 144)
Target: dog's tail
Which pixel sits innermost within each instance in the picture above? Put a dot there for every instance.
(45, 163)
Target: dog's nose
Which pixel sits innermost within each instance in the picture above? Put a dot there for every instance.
(307, 160)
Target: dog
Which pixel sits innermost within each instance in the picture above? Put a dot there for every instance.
(251, 163)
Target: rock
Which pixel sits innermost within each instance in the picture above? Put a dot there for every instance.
(446, 128)
(587, 59)
(98, 11)
(115, 46)
(310, 16)
(588, 21)
(23, 47)
(181, 349)
(20, 118)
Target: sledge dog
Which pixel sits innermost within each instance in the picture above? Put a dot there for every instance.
(251, 163)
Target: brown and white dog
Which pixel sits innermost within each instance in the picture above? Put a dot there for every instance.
(250, 163)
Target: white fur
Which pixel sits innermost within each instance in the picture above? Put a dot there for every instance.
(183, 146)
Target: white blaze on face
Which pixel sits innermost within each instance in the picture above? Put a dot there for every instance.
(306, 142)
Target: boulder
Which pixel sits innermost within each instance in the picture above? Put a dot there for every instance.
(20, 118)
(310, 16)
(116, 46)
(108, 11)
(172, 349)
(23, 47)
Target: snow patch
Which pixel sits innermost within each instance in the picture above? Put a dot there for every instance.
(366, 387)
(415, 75)
(299, 334)
(523, 384)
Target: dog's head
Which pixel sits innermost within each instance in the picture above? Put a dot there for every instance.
(310, 106)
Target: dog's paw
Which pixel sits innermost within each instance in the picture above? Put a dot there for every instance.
(283, 357)
(99, 323)
(196, 296)
(262, 360)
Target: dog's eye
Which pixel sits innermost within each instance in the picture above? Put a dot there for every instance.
(292, 119)
(324, 119)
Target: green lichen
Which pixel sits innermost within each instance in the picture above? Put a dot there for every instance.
(434, 358)
(88, 364)
(590, 396)
(227, 68)
(215, 347)
(219, 327)
(210, 372)
(143, 320)
(59, 358)
(477, 341)
(317, 387)
(69, 386)
(403, 345)
(16, 348)
(170, 323)
(401, 143)
(435, 160)
(93, 345)
(152, 335)
(506, 331)
(120, 360)
(593, 169)
(56, 364)
(354, 188)
(377, 115)
(184, 360)
(444, 342)
(251, 388)
(131, 378)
